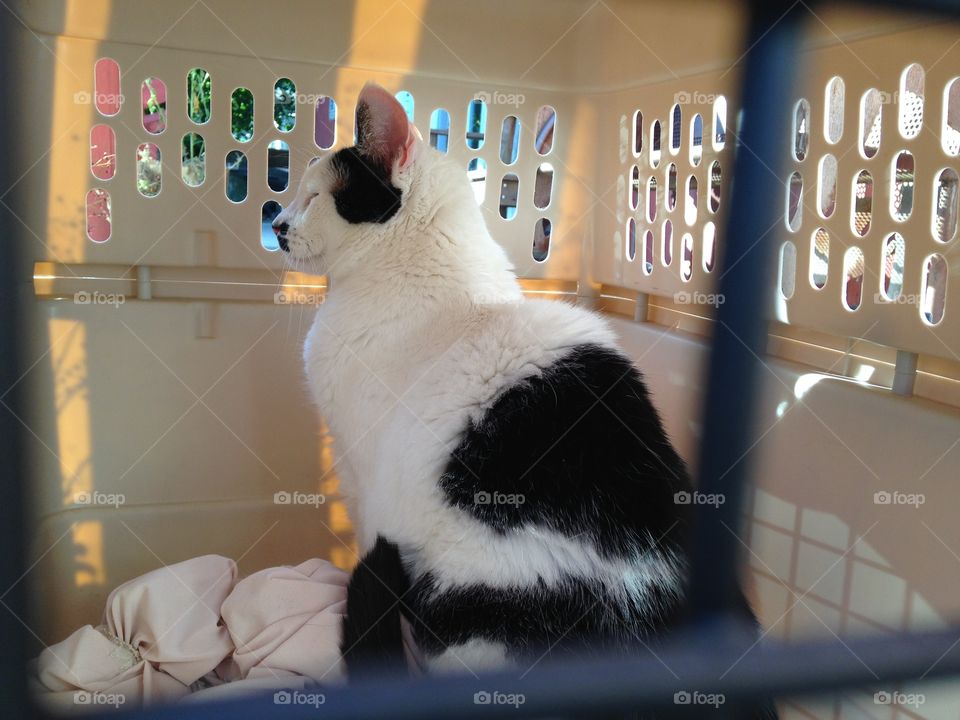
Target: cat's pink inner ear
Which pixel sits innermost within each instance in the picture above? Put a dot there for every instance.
(410, 146)
(383, 131)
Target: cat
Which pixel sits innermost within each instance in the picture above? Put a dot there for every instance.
(512, 486)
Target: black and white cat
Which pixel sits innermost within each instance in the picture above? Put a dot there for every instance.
(511, 483)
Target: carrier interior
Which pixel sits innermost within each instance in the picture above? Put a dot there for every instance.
(168, 403)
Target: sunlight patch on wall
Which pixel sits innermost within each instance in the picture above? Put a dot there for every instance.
(378, 39)
(88, 539)
(68, 360)
(69, 128)
(337, 518)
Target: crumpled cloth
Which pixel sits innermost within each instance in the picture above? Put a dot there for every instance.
(190, 631)
(161, 632)
(285, 622)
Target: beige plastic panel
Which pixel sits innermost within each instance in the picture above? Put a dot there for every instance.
(695, 95)
(878, 63)
(150, 446)
(159, 230)
(862, 63)
(826, 559)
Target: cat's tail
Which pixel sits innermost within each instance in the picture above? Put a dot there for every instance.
(372, 643)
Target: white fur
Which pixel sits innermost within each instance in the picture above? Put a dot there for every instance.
(424, 326)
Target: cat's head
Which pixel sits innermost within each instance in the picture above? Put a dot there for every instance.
(351, 201)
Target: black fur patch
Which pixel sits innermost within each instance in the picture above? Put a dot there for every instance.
(577, 616)
(363, 192)
(372, 643)
(578, 449)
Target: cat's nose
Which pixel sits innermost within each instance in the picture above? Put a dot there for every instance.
(281, 232)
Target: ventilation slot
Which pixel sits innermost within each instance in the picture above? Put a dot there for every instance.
(671, 187)
(546, 124)
(696, 140)
(655, 133)
(686, 260)
(862, 216)
(709, 246)
(103, 152)
(652, 199)
(945, 206)
(405, 98)
(648, 244)
(871, 110)
(637, 133)
(509, 189)
(193, 160)
(934, 284)
(510, 140)
(666, 250)
(476, 124)
(541, 240)
(891, 282)
(794, 201)
(149, 170)
(543, 187)
(852, 278)
(801, 130)
(440, 130)
(477, 174)
(833, 120)
(278, 165)
(99, 220)
(719, 123)
(819, 258)
(901, 198)
(241, 115)
(827, 186)
(198, 96)
(788, 269)
(268, 213)
(106, 88)
(325, 123)
(153, 100)
(235, 168)
(692, 201)
(284, 105)
(715, 178)
(911, 101)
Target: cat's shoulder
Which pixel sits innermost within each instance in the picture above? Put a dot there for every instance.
(559, 324)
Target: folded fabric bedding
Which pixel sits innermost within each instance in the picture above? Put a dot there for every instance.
(191, 630)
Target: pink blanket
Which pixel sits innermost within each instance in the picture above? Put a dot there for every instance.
(191, 629)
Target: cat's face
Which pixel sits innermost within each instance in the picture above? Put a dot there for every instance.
(347, 200)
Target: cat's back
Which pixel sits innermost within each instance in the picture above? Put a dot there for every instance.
(502, 345)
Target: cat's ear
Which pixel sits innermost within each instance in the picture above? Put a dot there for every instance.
(383, 132)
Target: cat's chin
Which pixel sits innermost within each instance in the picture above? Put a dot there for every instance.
(314, 264)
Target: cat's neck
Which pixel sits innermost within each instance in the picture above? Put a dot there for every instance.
(449, 269)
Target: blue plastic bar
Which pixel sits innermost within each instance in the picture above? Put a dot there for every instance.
(13, 282)
(709, 663)
(746, 273)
